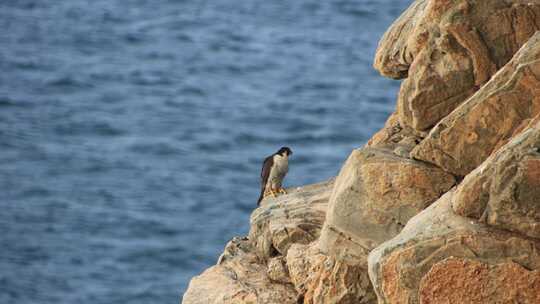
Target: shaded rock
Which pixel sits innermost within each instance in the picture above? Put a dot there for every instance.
(253, 270)
(448, 49)
(486, 121)
(235, 247)
(300, 260)
(277, 270)
(398, 266)
(457, 280)
(325, 279)
(505, 190)
(238, 278)
(375, 194)
(296, 217)
(394, 136)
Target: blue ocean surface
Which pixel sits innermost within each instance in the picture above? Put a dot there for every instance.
(132, 132)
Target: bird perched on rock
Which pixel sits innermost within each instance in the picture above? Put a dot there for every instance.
(274, 169)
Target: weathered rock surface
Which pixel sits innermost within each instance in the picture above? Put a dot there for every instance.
(398, 266)
(505, 190)
(238, 278)
(300, 260)
(466, 281)
(277, 270)
(395, 137)
(466, 137)
(448, 49)
(254, 269)
(374, 196)
(296, 217)
(320, 278)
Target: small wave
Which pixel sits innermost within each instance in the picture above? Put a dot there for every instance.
(88, 128)
(214, 146)
(161, 149)
(134, 38)
(8, 102)
(67, 81)
(193, 91)
(353, 8)
(183, 37)
(30, 65)
(149, 78)
(312, 87)
(36, 191)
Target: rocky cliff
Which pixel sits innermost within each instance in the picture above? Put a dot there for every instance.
(442, 205)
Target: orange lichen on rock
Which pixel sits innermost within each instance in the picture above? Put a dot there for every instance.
(465, 281)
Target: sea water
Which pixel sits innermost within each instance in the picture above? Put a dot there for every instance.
(132, 132)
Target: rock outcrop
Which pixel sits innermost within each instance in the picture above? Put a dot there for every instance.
(466, 281)
(254, 269)
(400, 266)
(466, 137)
(293, 218)
(505, 190)
(374, 195)
(320, 278)
(448, 49)
(443, 203)
(239, 277)
(489, 224)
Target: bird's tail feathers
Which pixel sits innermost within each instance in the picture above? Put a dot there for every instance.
(260, 197)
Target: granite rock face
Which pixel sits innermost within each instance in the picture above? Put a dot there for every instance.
(400, 268)
(466, 137)
(457, 280)
(254, 269)
(396, 137)
(479, 243)
(505, 191)
(320, 278)
(293, 218)
(277, 270)
(375, 194)
(239, 277)
(447, 50)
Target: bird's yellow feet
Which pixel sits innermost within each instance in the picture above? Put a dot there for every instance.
(282, 191)
(271, 192)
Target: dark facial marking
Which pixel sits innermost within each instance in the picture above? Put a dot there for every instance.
(285, 151)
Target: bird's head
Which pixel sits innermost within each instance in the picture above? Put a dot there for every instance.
(285, 151)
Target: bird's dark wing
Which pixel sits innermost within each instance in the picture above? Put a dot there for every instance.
(265, 173)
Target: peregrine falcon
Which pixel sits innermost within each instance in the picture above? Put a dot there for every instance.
(274, 169)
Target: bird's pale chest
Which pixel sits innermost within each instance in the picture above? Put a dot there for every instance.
(281, 164)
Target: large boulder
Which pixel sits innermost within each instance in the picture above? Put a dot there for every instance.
(407, 268)
(254, 269)
(320, 278)
(448, 49)
(505, 190)
(486, 121)
(373, 197)
(238, 278)
(296, 217)
(466, 281)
